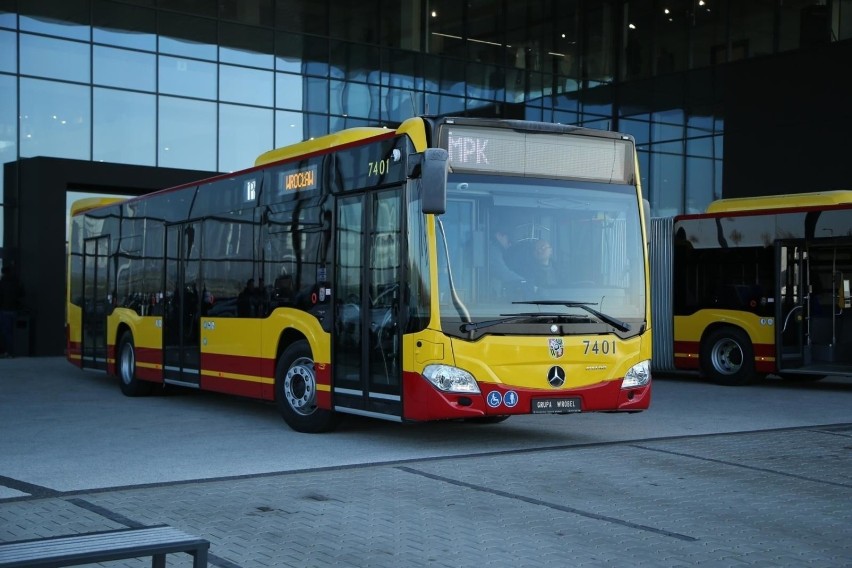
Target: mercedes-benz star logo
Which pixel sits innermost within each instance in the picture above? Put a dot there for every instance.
(556, 376)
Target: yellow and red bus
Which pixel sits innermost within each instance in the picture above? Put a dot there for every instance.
(355, 273)
(758, 286)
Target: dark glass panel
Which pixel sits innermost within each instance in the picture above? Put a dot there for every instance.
(316, 95)
(196, 7)
(302, 16)
(637, 38)
(301, 54)
(245, 45)
(69, 18)
(401, 24)
(445, 28)
(187, 36)
(752, 33)
(699, 184)
(230, 283)
(709, 34)
(599, 43)
(673, 20)
(253, 12)
(123, 25)
(355, 62)
(356, 21)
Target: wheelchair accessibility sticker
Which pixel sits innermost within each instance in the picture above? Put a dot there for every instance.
(495, 399)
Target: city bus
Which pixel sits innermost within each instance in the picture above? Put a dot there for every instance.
(757, 286)
(354, 273)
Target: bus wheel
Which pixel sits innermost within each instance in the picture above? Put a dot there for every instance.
(727, 357)
(296, 391)
(130, 385)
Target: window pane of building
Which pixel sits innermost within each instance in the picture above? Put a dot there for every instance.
(289, 128)
(708, 35)
(187, 36)
(126, 26)
(8, 52)
(187, 134)
(124, 129)
(356, 21)
(244, 134)
(445, 28)
(805, 22)
(197, 7)
(245, 45)
(187, 77)
(303, 16)
(254, 12)
(69, 18)
(317, 94)
(55, 119)
(8, 127)
(244, 85)
(54, 58)
(599, 42)
(289, 91)
(699, 184)
(666, 177)
(672, 23)
(752, 28)
(124, 68)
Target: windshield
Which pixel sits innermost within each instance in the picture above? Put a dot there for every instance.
(544, 250)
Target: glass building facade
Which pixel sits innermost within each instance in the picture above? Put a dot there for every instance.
(210, 84)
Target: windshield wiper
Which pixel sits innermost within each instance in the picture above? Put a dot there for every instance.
(471, 326)
(616, 323)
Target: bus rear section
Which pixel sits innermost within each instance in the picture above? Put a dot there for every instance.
(761, 286)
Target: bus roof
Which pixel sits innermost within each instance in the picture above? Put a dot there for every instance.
(793, 201)
(88, 203)
(322, 143)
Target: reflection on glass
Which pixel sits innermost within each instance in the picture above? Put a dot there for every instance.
(8, 123)
(242, 85)
(123, 68)
(245, 45)
(55, 119)
(124, 127)
(288, 128)
(8, 52)
(126, 26)
(244, 134)
(187, 134)
(187, 36)
(187, 77)
(516, 239)
(317, 94)
(54, 58)
(289, 91)
(69, 18)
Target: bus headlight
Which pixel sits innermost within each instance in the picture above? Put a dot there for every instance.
(451, 379)
(639, 375)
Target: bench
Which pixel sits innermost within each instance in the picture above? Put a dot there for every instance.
(71, 550)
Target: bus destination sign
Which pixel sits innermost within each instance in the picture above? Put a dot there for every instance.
(545, 154)
(299, 180)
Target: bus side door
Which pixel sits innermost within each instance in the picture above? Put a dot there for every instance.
(97, 303)
(366, 358)
(182, 309)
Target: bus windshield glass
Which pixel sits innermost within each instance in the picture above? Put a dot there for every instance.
(518, 252)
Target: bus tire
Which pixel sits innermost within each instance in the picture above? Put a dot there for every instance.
(126, 367)
(727, 357)
(296, 391)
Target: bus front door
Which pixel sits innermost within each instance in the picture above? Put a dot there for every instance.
(366, 359)
(97, 303)
(181, 314)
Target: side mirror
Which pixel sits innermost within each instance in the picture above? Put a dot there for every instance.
(433, 180)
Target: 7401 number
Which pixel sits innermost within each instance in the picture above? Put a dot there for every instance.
(596, 347)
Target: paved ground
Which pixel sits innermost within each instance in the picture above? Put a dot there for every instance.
(777, 497)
